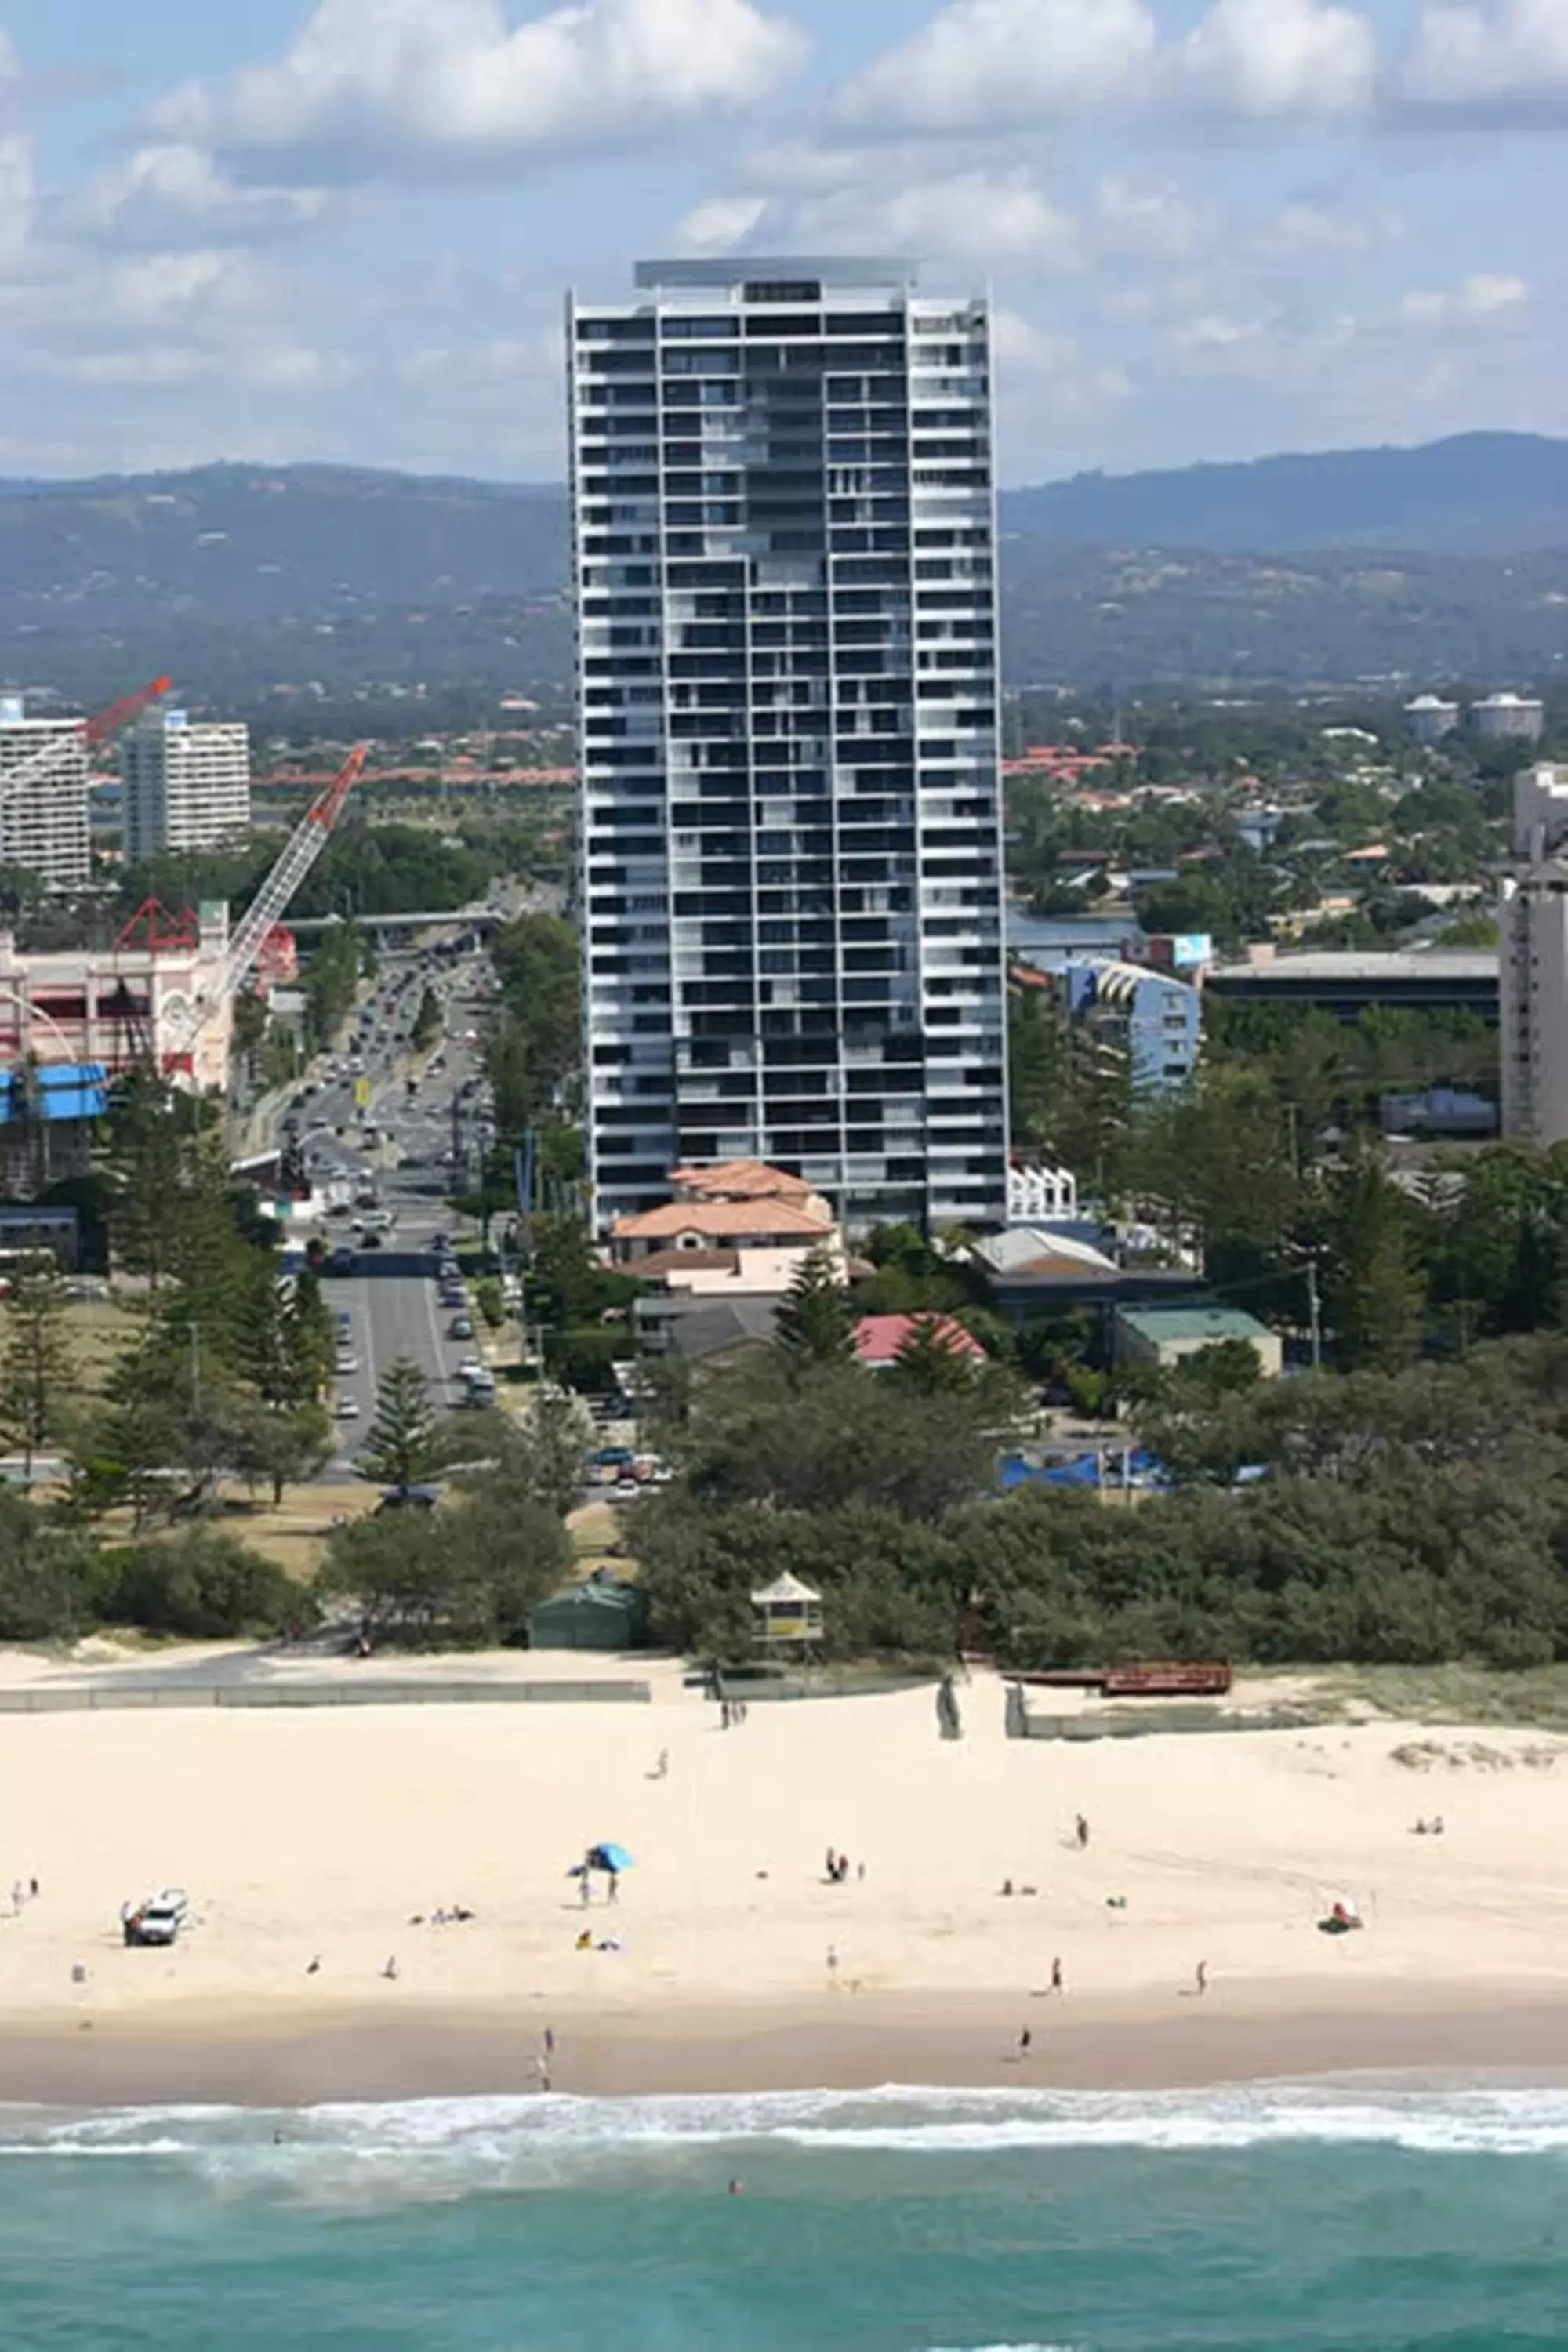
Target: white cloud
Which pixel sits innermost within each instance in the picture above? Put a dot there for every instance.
(175, 194)
(1266, 58)
(454, 86)
(1475, 55)
(1487, 298)
(984, 65)
(721, 223)
(16, 162)
(992, 63)
(1307, 228)
(1050, 370)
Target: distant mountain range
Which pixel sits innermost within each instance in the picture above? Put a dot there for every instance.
(1447, 560)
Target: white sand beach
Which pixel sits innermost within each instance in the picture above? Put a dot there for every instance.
(322, 1834)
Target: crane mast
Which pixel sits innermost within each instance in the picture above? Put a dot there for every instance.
(304, 846)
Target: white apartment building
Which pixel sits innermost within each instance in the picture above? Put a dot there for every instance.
(1509, 717)
(44, 825)
(784, 525)
(1533, 922)
(185, 786)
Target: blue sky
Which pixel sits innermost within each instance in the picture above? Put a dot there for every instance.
(340, 229)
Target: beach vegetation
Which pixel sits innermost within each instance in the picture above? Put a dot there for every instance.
(37, 1374)
(1411, 1517)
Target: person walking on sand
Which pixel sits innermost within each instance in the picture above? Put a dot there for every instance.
(1082, 1827)
(390, 1970)
(1201, 1977)
(833, 1964)
(1025, 2043)
(1055, 1975)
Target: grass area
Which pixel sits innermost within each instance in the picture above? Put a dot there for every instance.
(597, 1532)
(98, 1332)
(1456, 1694)
(295, 1533)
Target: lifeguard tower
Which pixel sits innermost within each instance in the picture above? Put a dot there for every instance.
(789, 1615)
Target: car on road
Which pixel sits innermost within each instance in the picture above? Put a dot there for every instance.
(347, 1408)
(347, 1362)
(461, 1327)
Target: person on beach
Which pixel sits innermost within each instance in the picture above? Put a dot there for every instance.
(1055, 1975)
(1025, 2043)
(1082, 1827)
(1202, 1977)
(390, 1970)
(661, 1770)
(833, 1964)
(584, 1891)
(550, 2041)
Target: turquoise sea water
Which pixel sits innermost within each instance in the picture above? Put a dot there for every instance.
(1367, 2217)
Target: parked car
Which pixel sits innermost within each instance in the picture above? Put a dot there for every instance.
(461, 1327)
(347, 1363)
(156, 1920)
(346, 1408)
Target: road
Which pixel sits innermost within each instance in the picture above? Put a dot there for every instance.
(391, 1297)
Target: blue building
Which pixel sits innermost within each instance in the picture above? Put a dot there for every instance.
(1152, 1017)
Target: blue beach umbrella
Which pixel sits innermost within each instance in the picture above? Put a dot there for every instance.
(611, 1857)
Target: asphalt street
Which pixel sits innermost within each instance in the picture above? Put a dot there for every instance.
(391, 1296)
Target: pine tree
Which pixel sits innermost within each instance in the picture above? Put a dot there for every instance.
(401, 1451)
(931, 1361)
(815, 1323)
(35, 1372)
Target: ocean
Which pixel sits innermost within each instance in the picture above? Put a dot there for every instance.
(1370, 2217)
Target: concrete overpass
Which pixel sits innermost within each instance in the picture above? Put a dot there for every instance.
(482, 920)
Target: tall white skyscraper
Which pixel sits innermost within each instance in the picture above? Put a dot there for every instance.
(1532, 974)
(791, 838)
(185, 786)
(44, 825)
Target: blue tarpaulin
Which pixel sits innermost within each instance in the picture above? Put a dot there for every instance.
(58, 1090)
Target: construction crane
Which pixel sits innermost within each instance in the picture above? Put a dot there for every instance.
(97, 730)
(185, 1022)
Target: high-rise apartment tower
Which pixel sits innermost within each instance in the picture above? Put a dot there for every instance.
(791, 840)
(185, 786)
(1532, 974)
(44, 825)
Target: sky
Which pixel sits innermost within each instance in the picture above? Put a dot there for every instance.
(342, 229)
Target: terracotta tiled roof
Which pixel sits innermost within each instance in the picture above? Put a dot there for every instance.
(878, 1338)
(721, 1221)
(739, 1180)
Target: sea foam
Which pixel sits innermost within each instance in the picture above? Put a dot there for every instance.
(437, 2147)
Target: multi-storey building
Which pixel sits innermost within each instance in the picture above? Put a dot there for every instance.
(791, 841)
(185, 786)
(1532, 924)
(121, 1008)
(1509, 717)
(44, 824)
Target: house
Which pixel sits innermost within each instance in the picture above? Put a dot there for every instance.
(733, 1237)
(1162, 1337)
(880, 1338)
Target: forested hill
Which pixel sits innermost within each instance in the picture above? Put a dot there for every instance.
(1438, 562)
(1475, 494)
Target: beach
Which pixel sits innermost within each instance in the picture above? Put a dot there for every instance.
(317, 1846)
